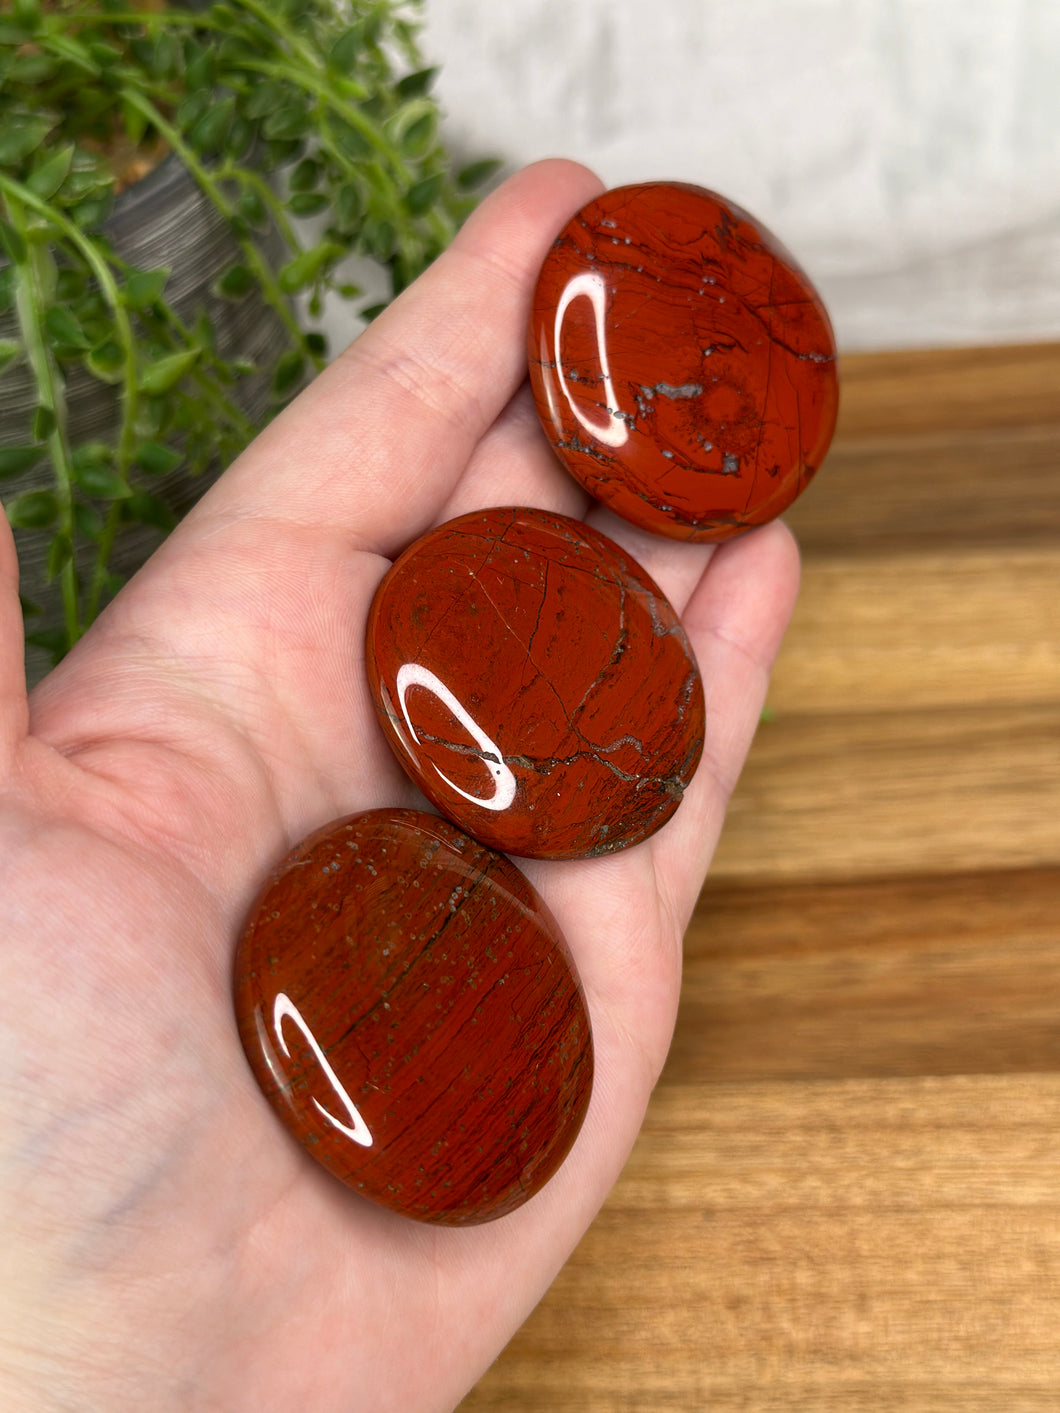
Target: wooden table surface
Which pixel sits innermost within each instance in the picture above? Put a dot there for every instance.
(846, 1196)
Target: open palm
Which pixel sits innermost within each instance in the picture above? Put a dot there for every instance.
(165, 1245)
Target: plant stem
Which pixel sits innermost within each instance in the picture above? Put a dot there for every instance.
(323, 88)
(231, 172)
(92, 257)
(99, 573)
(211, 188)
(205, 372)
(29, 303)
(130, 398)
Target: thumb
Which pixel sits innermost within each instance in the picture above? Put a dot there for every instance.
(14, 711)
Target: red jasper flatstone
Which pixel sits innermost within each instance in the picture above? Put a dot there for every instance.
(682, 364)
(536, 684)
(411, 1011)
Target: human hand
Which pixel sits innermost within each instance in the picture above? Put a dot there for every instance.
(166, 1246)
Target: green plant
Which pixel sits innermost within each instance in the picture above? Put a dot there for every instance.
(279, 109)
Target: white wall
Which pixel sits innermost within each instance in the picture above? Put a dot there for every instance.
(907, 151)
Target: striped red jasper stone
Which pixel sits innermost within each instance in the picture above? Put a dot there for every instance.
(682, 364)
(536, 684)
(411, 1011)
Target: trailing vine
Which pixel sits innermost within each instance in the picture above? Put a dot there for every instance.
(308, 126)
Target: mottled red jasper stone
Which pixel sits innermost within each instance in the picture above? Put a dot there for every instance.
(410, 1009)
(535, 684)
(682, 364)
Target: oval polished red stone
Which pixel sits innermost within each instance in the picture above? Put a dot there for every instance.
(536, 684)
(682, 364)
(410, 1009)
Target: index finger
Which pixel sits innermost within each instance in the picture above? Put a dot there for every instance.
(377, 443)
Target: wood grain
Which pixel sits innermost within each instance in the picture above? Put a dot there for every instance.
(846, 1197)
(941, 974)
(880, 793)
(953, 630)
(854, 1245)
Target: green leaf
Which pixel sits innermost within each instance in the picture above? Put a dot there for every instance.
(30, 70)
(74, 52)
(10, 349)
(287, 124)
(351, 140)
(157, 459)
(289, 371)
(416, 85)
(372, 25)
(100, 481)
(236, 282)
(49, 176)
(345, 50)
(70, 284)
(304, 268)
(413, 127)
(13, 244)
(105, 55)
(349, 207)
(27, 14)
(52, 640)
(305, 176)
(251, 207)
(307, 203)
(88, 177)
(147, 509)
(316, 343)
(191, 108)
(233, 50)
(60, 553)
(209, 132)
(350, 291)
(88, 520)
(144, 287)
(203, 332)
(424, 194)
(200, 70)
(264, 99)
(378, 238)
(278, 153)
(240, 137)
(16, 459)
(166, 56)
(133, 121)
(402, 272)
(165, 373)
(63, 329)
(22, 134)
(154, 417)
(92, 213)
(91, 453)
(477, 173)
(107, 361)
(33, 510)
(43, 424)
(142, 50)
(418, 138)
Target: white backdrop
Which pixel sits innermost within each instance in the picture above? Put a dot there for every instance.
(907, 151)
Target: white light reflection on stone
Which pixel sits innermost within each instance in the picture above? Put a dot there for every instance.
(591, 286)
(412, 675)
(285, 1009)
